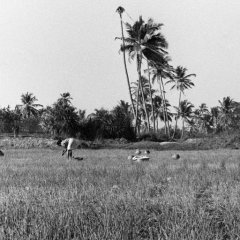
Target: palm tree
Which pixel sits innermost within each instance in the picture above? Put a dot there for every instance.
(161, 70)
(124, 108)
(120, 10)
(145, 96)
(151, 97)
(226, 112)
(202, 119)
(28, 106)
(185, 112)
(65, 98)
(161, 113)
(122, 121)
(181, 82)
(144, 41)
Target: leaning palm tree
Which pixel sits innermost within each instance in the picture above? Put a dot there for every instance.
(144, 41)
(161, 70)
(120, 10)
(181, 82)
(29, 107)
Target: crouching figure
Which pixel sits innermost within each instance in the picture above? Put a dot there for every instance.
(69, 145)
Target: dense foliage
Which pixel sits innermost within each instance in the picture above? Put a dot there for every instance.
(62, 119)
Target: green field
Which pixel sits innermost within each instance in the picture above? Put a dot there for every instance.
(105, 196)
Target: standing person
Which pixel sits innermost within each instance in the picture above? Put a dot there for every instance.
(69, 144)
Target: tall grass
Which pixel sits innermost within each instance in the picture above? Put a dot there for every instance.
(43, 196)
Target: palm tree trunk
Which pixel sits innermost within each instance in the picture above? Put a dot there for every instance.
(179, 102)
(137, 101)
(125, 66)
(150, 88)
(164, 116)
(165, 108)
(140, 85)
(182, 128)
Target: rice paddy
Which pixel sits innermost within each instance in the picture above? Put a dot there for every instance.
(106, 196)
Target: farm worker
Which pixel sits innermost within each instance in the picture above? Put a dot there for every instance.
(69, 144)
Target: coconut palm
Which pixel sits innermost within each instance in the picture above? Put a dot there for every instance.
(65, 98)
(161, 70)
(181, 82)
(161, 113)
(185, 112)
(151, 97)
(226, 110)
(144, 41)
(120, 10)
(202, 120)
(28, 106)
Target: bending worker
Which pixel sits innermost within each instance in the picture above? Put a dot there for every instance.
(69, 144)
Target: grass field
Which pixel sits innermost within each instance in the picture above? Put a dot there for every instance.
(44, 196)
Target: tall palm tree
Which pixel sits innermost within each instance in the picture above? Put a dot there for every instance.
(162, 70)
(144, 41)
(28, 106)
(185, 112)
(151, 97)
(181, 82)
(120, 11)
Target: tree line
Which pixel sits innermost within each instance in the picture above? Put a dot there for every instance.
(62, 119)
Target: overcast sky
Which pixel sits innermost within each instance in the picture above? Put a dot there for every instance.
(48, 47)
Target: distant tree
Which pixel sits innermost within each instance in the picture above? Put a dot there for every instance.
(29, 107)
(122, 121)
(181, 82)
(82, 114)
(185, 112)
(226, 110)
(215, 118)
(202, 120)
(62, 118)
(10, 120)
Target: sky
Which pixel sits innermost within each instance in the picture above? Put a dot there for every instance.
(48, 47)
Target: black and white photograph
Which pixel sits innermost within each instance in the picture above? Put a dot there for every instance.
(119, 120)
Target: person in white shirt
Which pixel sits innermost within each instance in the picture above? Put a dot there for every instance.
(70, 144)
